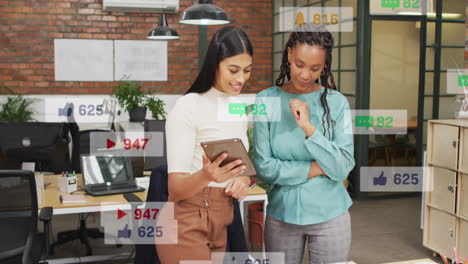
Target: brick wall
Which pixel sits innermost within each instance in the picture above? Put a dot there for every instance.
(28, 29)
(255, 18)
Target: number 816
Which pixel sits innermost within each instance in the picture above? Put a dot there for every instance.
(333, 19)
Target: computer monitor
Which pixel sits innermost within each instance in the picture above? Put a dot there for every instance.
(106, 169)
(45, 144)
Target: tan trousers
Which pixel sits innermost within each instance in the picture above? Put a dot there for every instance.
(202, 227)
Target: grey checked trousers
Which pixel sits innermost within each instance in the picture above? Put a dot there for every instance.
(329, 242)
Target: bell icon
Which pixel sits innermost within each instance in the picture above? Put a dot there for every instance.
(299, 19)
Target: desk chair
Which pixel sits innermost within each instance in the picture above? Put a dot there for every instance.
(407, 143)
(379, 143)
(156, 126)
(158, 191)
(81, 145)
(21, 243)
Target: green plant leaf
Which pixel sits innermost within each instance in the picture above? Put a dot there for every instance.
(17, 109)
(129, 95)
(156, 107)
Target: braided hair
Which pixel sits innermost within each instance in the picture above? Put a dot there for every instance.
(323, 39)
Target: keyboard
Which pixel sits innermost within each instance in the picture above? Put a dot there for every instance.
(105, 190)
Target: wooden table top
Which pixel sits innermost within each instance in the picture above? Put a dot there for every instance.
(409, 124)
(52, 195)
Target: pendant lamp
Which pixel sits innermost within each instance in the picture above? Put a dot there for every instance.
(204, 13)
(163, 31)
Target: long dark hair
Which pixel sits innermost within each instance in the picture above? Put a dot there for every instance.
(323, 39)
(226, 42)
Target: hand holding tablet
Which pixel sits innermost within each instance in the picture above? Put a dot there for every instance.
(234, 149)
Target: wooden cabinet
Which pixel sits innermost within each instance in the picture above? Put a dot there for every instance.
(446, 200)
(463, 193)
(442, 236)
(464, 150)
(443, 189)
(462, 239)
(444, 145)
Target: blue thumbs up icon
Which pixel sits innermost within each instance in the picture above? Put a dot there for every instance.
(124, 233)
(66, 111)
(381, 180)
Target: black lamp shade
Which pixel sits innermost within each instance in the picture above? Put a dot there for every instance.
(163, 31)
(204, 13)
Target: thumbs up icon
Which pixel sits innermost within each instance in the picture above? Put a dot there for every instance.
(381, 180)
(124, 233)
(66, 111)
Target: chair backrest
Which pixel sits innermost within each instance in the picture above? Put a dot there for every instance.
(18, 213)
(157, 192)
(156, 126)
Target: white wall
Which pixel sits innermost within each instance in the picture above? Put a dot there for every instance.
(395, 66)
(39, 107)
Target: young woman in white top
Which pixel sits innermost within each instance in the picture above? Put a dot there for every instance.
(201, 190)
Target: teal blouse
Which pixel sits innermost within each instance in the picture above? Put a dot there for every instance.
(283, 154)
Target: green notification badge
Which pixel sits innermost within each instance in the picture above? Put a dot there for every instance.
(237, 109)
(249, 108)
(368, 121)
(377, 121)
(390, 4)
(413, 4)
(364, 121)
(463, 80)
(244, 109)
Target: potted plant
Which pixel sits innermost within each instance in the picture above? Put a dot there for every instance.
(16, 108)
(156, 107)
(132, 99)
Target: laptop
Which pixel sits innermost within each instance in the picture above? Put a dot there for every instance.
(107, 175)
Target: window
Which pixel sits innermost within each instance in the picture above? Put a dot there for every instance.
(344, 52)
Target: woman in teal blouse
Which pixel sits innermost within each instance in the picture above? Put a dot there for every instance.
(306, 155)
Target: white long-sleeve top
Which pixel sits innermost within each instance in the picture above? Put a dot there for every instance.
(194, 119)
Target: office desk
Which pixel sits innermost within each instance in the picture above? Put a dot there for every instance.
(109, 203)
(92, 204)
(112, 202)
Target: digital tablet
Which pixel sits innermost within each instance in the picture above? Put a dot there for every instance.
(235, 150)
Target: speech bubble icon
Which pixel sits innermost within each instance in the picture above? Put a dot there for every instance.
(463, 80)
(390, 4)
(237, 109)
(364, 121)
